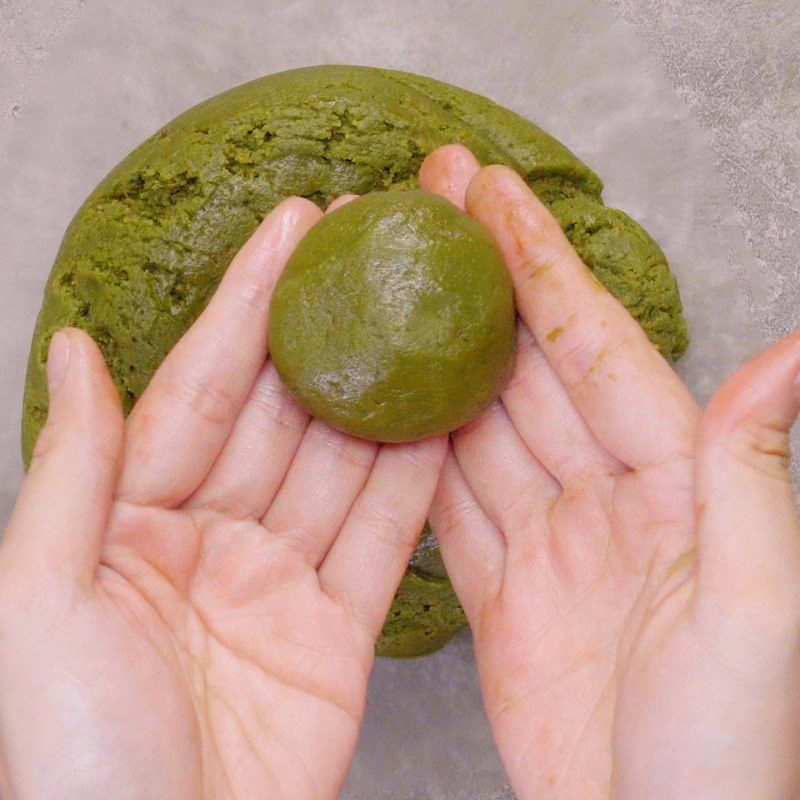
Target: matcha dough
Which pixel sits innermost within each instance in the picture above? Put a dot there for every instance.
(147, 248)
(424, 616)
(394, 318)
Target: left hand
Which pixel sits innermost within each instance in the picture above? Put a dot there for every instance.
(190, 598)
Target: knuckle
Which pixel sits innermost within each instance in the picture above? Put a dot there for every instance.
(520, 506)
(456, 514)
(570, 466)
(536, 221)
(386, 524)
(359, 453)
(93, 444)
(272, 401)
(582, 359)
(253, 295)
(360, 618)
(538, 238)
(422, 456)
(531, 364)
(539, 260)
(762, 446)
(203, 398)
(356, 452)
(417, 457)
(578, 357)
(579, 471)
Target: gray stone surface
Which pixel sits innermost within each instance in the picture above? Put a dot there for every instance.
(79, 71)
(736, 64)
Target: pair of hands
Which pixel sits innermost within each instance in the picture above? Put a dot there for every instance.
(190, 598)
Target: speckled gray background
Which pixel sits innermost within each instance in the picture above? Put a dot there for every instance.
(735, 64)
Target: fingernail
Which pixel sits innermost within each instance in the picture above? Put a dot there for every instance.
(57, 361)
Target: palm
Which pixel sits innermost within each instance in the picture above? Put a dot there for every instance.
(257, 653)
(555, 646)
(214, 633)
(602, 657)
(236, 666)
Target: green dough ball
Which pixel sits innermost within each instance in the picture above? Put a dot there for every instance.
(146, 250)
(394, 318)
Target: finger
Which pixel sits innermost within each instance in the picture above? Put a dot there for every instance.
(472, 547)
(63, 506)
(253, 463)
(370, 554)
(339, 202)
(628, 394)
(447, 171)
(247, 474)
(747, 520)
(510, 485)
(558, 438)
(180, 423)
(326, 475)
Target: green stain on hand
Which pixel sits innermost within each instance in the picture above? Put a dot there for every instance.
(554, 334)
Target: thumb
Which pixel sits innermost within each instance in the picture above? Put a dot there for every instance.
(749, 533)
(64, 502)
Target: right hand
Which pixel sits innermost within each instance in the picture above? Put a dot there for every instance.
(630, 566)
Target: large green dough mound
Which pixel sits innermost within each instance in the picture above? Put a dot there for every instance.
(147, 248)
(394, 318)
